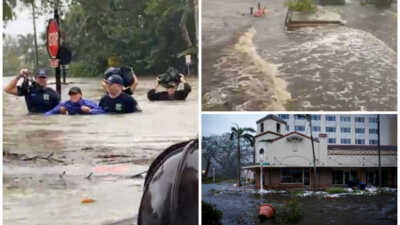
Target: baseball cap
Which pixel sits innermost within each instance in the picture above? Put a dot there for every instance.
(74, 90)
(115, 79)
(41, 73)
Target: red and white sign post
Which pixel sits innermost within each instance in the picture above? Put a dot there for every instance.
(53, 47)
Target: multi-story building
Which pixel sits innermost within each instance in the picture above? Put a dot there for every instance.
(346, 129)
(286, 154)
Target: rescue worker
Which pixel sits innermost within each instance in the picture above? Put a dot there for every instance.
(117, 101)
(130, 80)
(76, 105)
(172, 92)
(38, 97)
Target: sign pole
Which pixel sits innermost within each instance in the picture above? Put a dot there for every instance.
(58, 71)
(261, 178)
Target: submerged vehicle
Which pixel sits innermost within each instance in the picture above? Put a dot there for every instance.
(171, 185)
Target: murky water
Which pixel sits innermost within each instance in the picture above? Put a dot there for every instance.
(241, 208)
(111, 147)
(333, 67)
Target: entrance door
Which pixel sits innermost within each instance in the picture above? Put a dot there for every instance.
(306, 176)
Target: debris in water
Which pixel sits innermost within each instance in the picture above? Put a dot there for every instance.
(87, 200)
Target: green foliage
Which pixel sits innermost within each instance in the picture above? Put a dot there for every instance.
(292, 212)
(336, 190)
(210, 214)
(148, 35)
(301, 5)
(142, 34)
(8, 6)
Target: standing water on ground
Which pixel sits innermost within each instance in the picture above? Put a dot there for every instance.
(53, 163)
(255, 64)
(240, 207)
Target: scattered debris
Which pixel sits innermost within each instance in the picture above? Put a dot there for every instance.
(138, 175)
(62, 175)
(89, 176)
(87, 200)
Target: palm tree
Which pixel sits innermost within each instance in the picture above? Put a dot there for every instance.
(241, 133)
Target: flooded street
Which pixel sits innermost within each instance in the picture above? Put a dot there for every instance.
(52, 163)
(241, 207)
(255, 64)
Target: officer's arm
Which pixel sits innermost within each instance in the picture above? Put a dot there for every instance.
(134, 84)
(11, 87)
(54, 111)
(104, 85)
(182, 94)
(94, 108)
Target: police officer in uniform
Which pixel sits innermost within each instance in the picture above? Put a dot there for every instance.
(38, 97)
(117, 101)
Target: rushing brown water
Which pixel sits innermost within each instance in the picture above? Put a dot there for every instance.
(110, 147)
(254, 64)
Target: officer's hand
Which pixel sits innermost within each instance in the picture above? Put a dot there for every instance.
(182, 78)
(23, 72)
(157, 83)
(63, 110)
(85, 109)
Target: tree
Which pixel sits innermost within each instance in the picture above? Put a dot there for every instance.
(241, 133)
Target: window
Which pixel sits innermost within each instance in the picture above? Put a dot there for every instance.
(261, 151)
(360, 130)
(278, 128)
(373, 142)
(299, 117)
(299, 128)
(332, 140)
(284, 116)
(330, 118)
(345, 141)
(360, 141)
(262, 127)
(316, 129)
(337, 177)
(345, 119)
(373, 131)
(292, 175)
(287, 128)
(331, 129)
(359, 119)
(315, 117)
(372, 119)
(345, 129)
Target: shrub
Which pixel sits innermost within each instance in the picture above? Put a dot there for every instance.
(210, 214)
(291, 212)
(334, 190)
(301, 5)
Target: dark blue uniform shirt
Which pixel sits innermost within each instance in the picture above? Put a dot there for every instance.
(38, 99)
(124, 103)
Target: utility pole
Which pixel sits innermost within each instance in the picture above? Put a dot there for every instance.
(379, 151)
(308, 116)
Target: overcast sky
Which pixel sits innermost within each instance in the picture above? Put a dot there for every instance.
(23, 24)
(221, 123)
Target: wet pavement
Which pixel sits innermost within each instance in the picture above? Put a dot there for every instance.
(52, 163)
(255, 64)
(241, 207)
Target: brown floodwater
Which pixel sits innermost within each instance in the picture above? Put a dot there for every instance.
(109, 147)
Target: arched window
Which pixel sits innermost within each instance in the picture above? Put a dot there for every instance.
(261, 151)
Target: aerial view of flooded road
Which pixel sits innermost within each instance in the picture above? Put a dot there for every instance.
(86, 169)
(254, 63)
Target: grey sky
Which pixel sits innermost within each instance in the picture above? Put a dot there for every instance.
(221, 123)
(23, 24)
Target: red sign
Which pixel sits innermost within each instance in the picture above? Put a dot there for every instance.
(53, 38)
